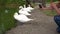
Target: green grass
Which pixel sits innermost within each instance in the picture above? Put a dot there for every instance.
(6, 19)
(50, 12)
(50, 0)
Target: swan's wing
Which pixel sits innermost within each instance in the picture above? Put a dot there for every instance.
(30, 8)
(26, 9)
(24, 12)
(23, 16)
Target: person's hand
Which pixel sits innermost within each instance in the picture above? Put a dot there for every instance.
(56, 8)
(53, 5)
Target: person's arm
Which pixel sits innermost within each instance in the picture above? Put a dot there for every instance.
(55, 7)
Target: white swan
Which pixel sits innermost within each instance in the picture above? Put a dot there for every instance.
(30, 8)
(23, 12)
(22, 18)
(26, 9)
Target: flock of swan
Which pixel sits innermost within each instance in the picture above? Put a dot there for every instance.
(22, 14)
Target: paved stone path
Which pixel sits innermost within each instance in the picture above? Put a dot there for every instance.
(42, 24)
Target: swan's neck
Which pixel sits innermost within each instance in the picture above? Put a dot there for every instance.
(24, 6)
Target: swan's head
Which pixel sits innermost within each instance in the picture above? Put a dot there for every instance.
(15, 13)
(24, 6)
(20, 7)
